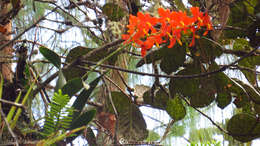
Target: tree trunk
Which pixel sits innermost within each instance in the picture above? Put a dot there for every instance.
(5, 36)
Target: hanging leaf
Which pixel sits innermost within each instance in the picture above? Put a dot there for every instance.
(74, 72)
(51, 56)
(223, 99)
(173, 59)
(160, 99)
(132, 126)
(82, 120)
(81, 100)
(186, 87)
(113, 11)
(79, 51)
(175, 109)
(72, 86)
(201, 91)
(244, 127)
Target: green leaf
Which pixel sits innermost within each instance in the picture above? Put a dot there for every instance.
(201, 91)
(72, 86)
(186, 87)
(244, 127)
(173, 59)
(51, 56)
(74, 72)
(113, 11)
(160, 99)
(175, 109)
(81, 100)
(83, 119)
(132, 125)
(223, 99)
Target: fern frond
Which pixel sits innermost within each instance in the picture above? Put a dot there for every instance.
(59, 116)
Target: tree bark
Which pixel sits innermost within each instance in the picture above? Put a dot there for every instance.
(5, 36)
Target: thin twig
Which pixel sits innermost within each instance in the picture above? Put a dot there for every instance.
(221, 69)
(114, 109)
(9, 128)
(117, 86)
(206, 116)
(167, 130)
(13, 103)
(27, 29)
(46, 82)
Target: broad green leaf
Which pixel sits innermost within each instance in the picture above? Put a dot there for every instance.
(252, 92)
(76, 52)
(113, 11)
(223, 99)
(185, 86)
(173, 59)
(72, 86)
(201, 91)
(51, 56)
(73, 54)
(175, 109)
(160, 99)
(81, 100)
(83, 119)
(132, 125)
(244, 127)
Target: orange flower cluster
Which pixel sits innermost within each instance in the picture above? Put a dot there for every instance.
(143, 30)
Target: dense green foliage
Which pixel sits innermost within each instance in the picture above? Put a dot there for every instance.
(88, 71)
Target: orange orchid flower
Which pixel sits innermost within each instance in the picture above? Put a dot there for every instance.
(142, 31)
